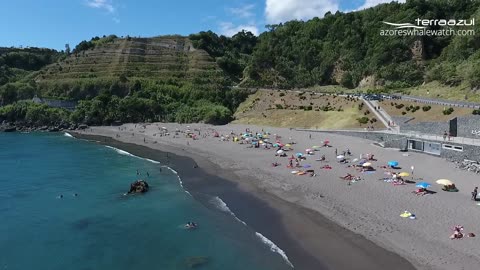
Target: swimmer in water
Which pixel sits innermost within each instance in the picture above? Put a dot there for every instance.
(75, 195)
(60, 196)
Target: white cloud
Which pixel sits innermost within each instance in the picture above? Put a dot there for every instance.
(243, 12)
(372, 3)
(229, 29)
(101, 4)
(277, 11)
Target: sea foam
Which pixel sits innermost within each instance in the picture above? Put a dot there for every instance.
(125, 153)
(66, 134)
(221, 205)
(274, 248)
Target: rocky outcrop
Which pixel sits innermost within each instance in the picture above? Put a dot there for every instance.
(139, 186)
(417, 51)
(28, 127)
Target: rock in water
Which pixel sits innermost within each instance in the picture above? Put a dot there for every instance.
(139, 186)
(197, 261)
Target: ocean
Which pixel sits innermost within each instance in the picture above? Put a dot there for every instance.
(45, 226)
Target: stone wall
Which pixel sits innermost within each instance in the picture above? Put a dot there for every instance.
(397, 141)
(467, 124)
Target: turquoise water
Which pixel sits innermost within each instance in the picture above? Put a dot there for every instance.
(100, 228)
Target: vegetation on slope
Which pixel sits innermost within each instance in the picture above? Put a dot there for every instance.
(305, 110)
(16, 67)
(346, 48)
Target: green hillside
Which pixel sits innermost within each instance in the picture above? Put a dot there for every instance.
(127, 62)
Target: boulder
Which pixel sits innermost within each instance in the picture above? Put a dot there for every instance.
(139, 186)
(196, 261)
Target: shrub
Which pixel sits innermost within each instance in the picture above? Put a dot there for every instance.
(448, 111)
(408, 109)
(279, 106)
(404, 112)
(282, 94)
(426, 108)
(362, 120)
(476, 112)
(399, 106)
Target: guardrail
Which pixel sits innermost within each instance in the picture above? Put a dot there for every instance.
(460, 104)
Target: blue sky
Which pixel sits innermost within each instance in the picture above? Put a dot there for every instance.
(53, 23)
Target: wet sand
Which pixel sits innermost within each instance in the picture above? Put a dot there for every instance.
(310, 240)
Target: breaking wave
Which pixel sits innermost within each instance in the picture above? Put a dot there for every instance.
(221, 205)
(274, 248)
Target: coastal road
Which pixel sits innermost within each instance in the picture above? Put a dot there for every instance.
(449, 103)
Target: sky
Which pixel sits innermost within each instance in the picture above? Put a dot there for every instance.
(54, 23)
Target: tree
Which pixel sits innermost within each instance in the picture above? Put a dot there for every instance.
(67, 49)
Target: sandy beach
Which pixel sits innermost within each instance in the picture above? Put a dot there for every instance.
(342, 224)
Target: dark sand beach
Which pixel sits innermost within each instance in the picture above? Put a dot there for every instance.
(310, 240)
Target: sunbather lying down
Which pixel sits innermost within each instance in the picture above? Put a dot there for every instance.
(420, 191)
(450, 188)
(350, 177)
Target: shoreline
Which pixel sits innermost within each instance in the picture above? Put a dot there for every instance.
(309, 239)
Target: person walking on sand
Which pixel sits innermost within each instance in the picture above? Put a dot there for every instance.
(310, 136)
(445, 135)
(474, 193)
(413, 168)
(336, 151)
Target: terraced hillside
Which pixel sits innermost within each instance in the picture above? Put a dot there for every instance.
(158, 60)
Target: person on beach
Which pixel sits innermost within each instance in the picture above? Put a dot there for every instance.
(413, 169)
(474, 193)
(336, 152)
(138, 173)
(310, 136)
(445, 135)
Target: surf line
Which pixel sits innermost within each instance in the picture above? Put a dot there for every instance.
(222, 206)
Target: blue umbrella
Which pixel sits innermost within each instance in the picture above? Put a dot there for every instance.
(393, 163)
(423, 185)
(306, 166)
(299, 154)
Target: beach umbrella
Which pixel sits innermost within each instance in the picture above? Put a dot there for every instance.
(423, 185)
(326, 142)
(299, 154)
(280, 152)
(307, 166)
(444, 182)
(315, 146)
(308, 150)
(280, 145)
(340, 157)
(260, 141)
(367, 164)
(355, 160)
(276, 145)
(393, 163)
(288, 145)
(404, 174)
